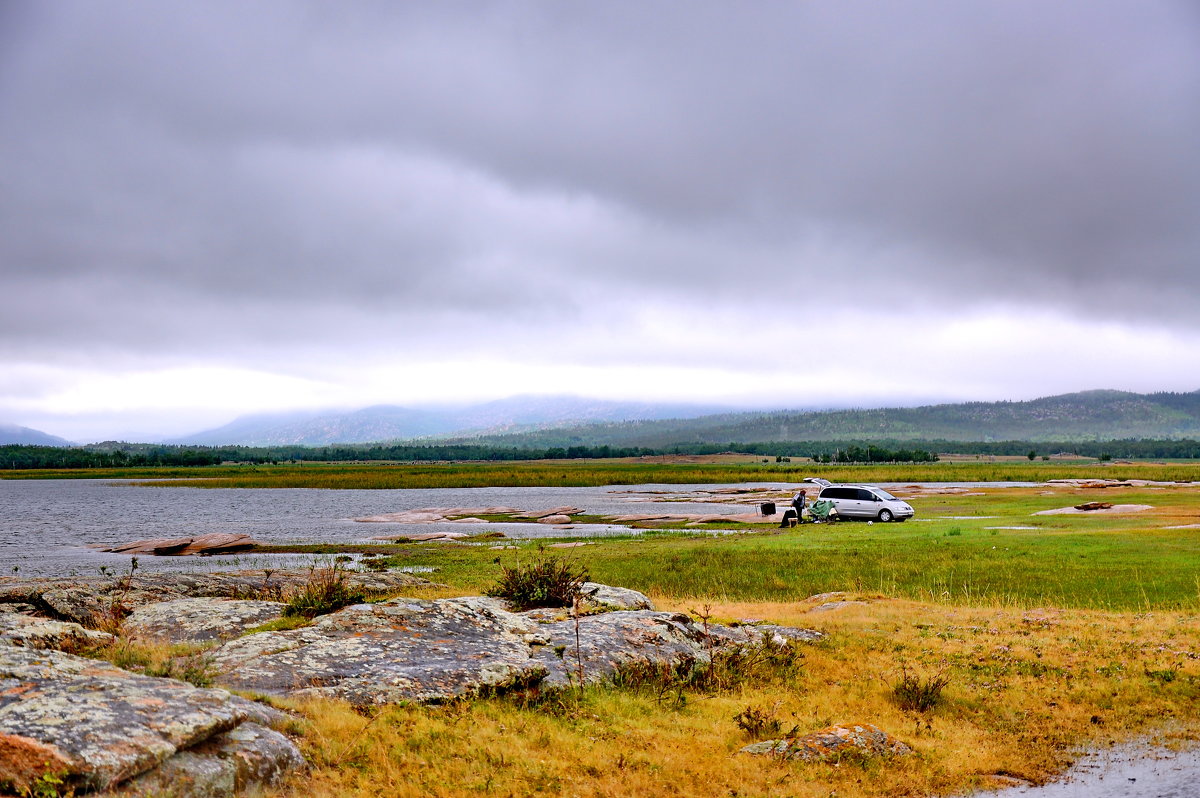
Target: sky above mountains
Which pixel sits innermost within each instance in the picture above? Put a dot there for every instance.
(218, 208)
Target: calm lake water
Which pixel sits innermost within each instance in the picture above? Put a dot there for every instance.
(46, 525)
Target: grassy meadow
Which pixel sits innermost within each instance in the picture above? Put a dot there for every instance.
(1082, 631)
(1051, 632)
(957, 551)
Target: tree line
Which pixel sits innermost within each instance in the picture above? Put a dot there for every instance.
(132, 455)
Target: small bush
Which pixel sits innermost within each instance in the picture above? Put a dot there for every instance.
(552, 582)
(759, 722)
(325, 591)
(916, 694)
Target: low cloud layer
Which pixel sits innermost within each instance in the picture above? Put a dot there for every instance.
(305, 189)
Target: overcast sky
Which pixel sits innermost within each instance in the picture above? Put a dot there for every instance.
(223, 207)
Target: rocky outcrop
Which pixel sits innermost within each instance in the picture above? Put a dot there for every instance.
(103, 728)
(412, 650)
(833, 743)
(82, 600)
(19, 629)
(199, 620)
(615, 598)
(98, 727)
(398, 650)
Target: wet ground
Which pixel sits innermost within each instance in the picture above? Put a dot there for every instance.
(1135, 771)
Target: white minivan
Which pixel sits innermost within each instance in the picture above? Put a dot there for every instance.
(866, 501)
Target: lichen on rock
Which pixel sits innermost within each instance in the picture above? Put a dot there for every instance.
(832, 743)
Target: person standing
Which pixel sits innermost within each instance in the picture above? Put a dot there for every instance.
(798, 505)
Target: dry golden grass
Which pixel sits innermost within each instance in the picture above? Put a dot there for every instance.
(1026, 687)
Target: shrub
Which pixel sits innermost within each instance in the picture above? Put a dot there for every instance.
(916, 694)
(325, 591)
(759, 722)
(551, 582)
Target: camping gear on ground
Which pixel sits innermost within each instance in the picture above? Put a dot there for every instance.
(790, 519)
(822, 510)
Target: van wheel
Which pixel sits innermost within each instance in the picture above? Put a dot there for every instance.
(885, 515)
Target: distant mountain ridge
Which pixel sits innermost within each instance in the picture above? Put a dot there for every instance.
(392, 423)
(27, 436)
(1085, 416)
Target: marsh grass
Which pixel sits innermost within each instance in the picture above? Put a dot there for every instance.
(949, 554)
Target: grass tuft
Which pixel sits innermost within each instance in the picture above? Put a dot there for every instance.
(914, 693)
(325, 591)
(550, 582)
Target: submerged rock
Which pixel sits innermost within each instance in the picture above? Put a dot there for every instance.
(834, 742)
(214, 543)
(98, 726)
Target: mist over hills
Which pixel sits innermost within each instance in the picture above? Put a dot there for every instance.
(544, 422)
(26, 436)
(391, 423)
(1086, 416)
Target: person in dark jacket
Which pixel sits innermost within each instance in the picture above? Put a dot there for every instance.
(798, 505)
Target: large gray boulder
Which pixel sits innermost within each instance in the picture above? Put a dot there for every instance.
(398, 650)
(607, 642)
(26, 630)
(615, 598)
(199, 620)
(98, 726)
(412, 650)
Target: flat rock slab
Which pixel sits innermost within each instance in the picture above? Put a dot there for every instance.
(200, 620)
(100, 726)
(833, 743)
(830, 606)
(414, 650)
(614, 640)
(1113, 509)
(398, 650)
(83, 599)
(214, 543)
(615, 598)
(553, 511)
(421, 537)
(31, 632)
(232, 763)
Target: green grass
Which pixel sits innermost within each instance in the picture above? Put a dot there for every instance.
(584, 473)
(1101, 562)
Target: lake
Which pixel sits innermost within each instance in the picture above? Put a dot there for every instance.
(46, 525)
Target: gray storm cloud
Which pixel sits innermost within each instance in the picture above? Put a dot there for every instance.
(181, 175)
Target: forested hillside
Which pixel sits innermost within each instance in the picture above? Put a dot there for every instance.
(1087, 416)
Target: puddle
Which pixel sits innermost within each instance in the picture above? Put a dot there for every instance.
(1123, 772)
(966, 517)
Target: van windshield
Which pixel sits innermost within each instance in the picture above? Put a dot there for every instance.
(883, 494)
